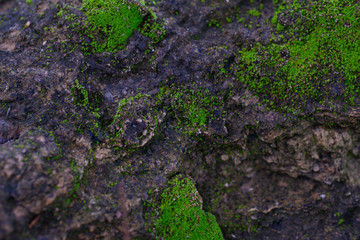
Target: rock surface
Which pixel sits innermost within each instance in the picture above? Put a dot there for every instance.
(83, 138)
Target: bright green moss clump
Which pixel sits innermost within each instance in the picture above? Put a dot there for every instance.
(319, 60)
(110, 23)
(106, 25)
(181, 214)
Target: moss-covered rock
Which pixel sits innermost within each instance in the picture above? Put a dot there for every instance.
(316, 58)
(111, 23)
(106, 25)
(85, 136)
(181, 215)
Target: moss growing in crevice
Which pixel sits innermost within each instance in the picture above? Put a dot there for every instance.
(91, 103)
(254, 12)
(193, 108)
(180, 214)
(153, 30)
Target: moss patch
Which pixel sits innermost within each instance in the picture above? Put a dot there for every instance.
(254, 12)
(110, 23)
(181, 215)
(318, 53)
(192, 108)
(106, 25)
(91, 103)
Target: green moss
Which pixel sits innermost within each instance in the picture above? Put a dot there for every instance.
(80, 94)
(192, 108)
(323, 41)
(110, 23)
(77, 181)
(90, 103)
(214, 23)
(153, 30)
(107, 24)
(254, 12)
(274, 19)
(123, 102)
(181, 215)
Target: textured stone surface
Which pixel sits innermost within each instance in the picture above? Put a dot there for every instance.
(69, 171)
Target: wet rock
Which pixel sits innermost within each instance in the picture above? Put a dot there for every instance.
(74, 127)
(29, 189)
(133, 129)
(224, 157)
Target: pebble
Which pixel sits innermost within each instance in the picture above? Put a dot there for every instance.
(27, 24)
(316, 168)
(224, 157)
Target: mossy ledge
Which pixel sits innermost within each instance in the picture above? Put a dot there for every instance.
(315, 56)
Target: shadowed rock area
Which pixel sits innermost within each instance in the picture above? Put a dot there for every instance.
(88, 140)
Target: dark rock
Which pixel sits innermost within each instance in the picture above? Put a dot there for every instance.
(74, 127)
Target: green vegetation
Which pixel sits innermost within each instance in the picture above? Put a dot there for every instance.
(123, 102)
(318, 52)
(82, 99)
(110, 23)
(77, 180)
(107, 24)
(153, 30)
(214, 23)
(127, 107)
(254, 12)
(91, 103)
(192, 108)
(181, 215)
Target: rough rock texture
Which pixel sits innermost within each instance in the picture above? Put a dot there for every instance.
(80, 166)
